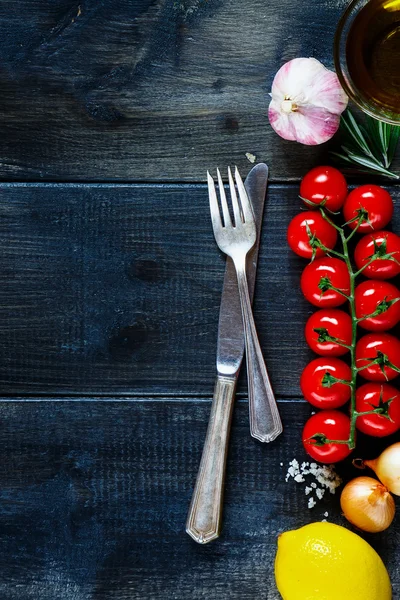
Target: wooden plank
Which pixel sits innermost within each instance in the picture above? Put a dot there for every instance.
(150, 90)
(109, 289)
(94, 497)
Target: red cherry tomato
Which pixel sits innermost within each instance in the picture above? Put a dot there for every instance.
(330, 394)
(297, 235)
(336, 323)
(379, 268)
(332, 424)
(373, 346)
(373, 395)
(317, 273)
(369, 295)
(375, 200)
(324, 183)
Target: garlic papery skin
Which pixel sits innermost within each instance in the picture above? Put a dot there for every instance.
(387, 468)
(368, 504)
(306, 102)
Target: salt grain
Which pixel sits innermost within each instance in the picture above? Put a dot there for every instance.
(325, 476)
(299, 478)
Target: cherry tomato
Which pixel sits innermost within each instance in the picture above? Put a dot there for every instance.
(371, 294)
(336, 323)
(373, 395)
(379, 268)
(332, 424)
(375, 200)
(316, 274)
(324, 183)
(375, 345)
(330, 395)
(297, 235)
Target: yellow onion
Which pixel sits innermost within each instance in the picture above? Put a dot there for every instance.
(387, 468)
(367, 504)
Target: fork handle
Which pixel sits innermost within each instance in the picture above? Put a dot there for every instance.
(204, 518)
(265, 422)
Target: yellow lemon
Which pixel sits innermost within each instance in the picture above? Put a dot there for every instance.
(322, 561)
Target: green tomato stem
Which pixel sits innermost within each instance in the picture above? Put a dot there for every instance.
(354, 321)
(354, 414)
(354, 370)
(368, 412)
(357, 273)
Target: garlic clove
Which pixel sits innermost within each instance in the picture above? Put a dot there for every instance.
(309, 125)
(306, 102)
(295, 78)
(281, 123)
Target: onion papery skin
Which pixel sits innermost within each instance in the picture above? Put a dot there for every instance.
(368, 504)
(387, 468)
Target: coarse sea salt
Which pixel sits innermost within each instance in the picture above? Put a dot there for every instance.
(325, 476)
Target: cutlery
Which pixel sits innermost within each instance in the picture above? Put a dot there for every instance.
(236, 238)
(205, 513)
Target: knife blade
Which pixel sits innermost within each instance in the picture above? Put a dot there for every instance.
(205, 512)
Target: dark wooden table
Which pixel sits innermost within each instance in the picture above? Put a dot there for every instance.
(111, 111)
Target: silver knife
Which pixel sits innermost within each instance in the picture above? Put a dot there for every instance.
(205, 513)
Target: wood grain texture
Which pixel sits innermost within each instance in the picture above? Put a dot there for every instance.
(115, 289)
(94, 497)
(109, 295)
(146, 90)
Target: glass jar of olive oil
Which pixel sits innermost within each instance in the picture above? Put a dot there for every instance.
(367, 57)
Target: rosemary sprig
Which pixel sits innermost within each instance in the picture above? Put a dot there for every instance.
(367, 147)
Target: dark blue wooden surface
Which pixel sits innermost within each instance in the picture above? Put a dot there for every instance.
(116, 289)
(148, 90)
(93, 497)
(109, 295)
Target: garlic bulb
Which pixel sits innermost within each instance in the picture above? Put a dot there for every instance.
(387, 468)
(307, 101)
(367, 504)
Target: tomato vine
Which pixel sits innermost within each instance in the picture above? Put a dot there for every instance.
(382, 359)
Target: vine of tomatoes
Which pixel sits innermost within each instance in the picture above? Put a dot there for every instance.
(329, 281)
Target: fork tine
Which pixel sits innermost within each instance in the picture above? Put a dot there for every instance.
(214, 210)
(224, 204)
(235, 202)
(244, 199)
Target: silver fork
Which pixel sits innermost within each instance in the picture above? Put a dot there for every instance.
(235, 240)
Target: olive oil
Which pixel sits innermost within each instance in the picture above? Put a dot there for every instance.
(373, 54)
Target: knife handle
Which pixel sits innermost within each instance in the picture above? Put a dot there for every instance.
(265, 421)
(204, 518)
